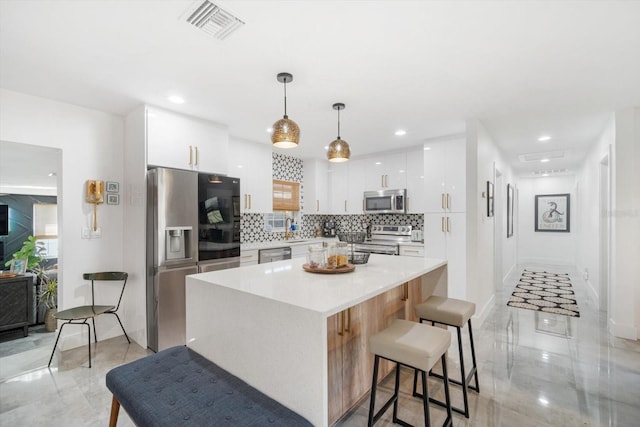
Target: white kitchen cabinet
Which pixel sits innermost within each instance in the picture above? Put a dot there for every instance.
(316, 187)
(356, 187)
(183, 142)
(445, 176)
(386, 170)
(411, 250)
(251, 162)
(415, 181)
(248, 257)
(445, 238)
(338, 188)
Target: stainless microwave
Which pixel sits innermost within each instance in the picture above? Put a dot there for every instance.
(385, 201)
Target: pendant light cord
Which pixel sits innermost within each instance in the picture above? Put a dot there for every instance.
(339, 122)
(285, 97)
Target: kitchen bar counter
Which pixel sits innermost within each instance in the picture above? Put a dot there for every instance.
(267, 323)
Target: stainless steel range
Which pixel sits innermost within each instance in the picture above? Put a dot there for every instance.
(385, 239)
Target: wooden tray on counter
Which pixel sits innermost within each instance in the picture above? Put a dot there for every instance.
(329, 270)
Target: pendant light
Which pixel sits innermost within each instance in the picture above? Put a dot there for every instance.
(339, 149)
(286, 133)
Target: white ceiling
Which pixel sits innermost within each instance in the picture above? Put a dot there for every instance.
(524, 68)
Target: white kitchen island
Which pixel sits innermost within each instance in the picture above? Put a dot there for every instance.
(274, 325)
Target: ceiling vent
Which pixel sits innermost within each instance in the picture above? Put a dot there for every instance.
(536, 157)
(213, 20)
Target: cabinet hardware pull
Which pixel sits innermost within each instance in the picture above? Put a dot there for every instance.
(448, 201)
(250, 201)
(386, 180)
(341, 333)
(190, 155)
(345, 205)
(442, 224)
(317, 205)
(197, 156)
(442, 204)
(448, 225)
(381, 180)
(348, 327)
(245, 201)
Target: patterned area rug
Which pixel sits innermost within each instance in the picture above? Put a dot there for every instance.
(548, 292)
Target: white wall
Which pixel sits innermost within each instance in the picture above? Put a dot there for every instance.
(588, 219)
(483, 157)
(545, 247)
(625, 298)
(91, 144)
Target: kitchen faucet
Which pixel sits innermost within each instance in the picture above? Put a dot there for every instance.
(288, 233)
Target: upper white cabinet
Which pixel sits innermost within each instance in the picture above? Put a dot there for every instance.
(415, 181)
(251, 162)
(355, 192)
(316, 187)
(386, 170)
(445, 176)
(178, 141)
(338, 188)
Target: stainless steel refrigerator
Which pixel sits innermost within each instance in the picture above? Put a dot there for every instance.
(172, 252)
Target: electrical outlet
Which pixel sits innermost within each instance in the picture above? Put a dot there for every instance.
(89, 233)
(97, 233)
(85, 233)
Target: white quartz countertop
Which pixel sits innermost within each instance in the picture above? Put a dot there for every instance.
(287, 282)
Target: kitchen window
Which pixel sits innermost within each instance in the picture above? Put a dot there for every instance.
(286, 195)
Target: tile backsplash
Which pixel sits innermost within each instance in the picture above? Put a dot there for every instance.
(252, 225)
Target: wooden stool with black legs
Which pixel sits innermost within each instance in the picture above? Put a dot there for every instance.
(416, 346)
(452, 312)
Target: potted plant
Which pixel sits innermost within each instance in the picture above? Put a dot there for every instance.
(48, 297)
(31, 251)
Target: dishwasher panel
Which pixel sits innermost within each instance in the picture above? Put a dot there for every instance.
(274, 254)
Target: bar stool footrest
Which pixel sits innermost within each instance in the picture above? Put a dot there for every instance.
(456, 382)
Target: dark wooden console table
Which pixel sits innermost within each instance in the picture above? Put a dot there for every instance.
(16, 297)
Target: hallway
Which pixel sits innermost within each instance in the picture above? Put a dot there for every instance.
(535, 370)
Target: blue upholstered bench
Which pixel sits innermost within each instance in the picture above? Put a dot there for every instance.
(177, 386)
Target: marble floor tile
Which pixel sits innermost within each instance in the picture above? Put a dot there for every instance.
(535, 369)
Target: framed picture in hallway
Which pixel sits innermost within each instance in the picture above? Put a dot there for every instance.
(509, 210)
(552, 212)
(489, 198)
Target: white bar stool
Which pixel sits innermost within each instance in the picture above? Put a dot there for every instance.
(451, 312)
(416, 346)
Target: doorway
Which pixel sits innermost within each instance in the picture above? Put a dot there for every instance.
(30, 178)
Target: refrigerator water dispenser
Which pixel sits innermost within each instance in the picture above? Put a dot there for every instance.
(176, 242)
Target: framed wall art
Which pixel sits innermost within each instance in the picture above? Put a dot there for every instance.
(113, 199)
(113, 187)
(489, 198)
(553, 212)
(510, 206)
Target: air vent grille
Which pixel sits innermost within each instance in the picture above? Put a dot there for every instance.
(548, 172)
(213, 20)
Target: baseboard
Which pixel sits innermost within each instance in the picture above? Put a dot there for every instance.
(546, 261)
(483, 314)
(629, 332)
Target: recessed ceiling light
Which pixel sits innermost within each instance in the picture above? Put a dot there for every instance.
(269, 130)
(175, 99)
(544, 160)
(544, 138)
(326, 147)
(378, 163)
(545, 174)
(427, 148)
(52, 174)
(401, 132)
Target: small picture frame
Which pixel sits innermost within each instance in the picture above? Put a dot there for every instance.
(113, 199)
(553, 213)
(489, 198)
(113, 187)
(18, 266)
